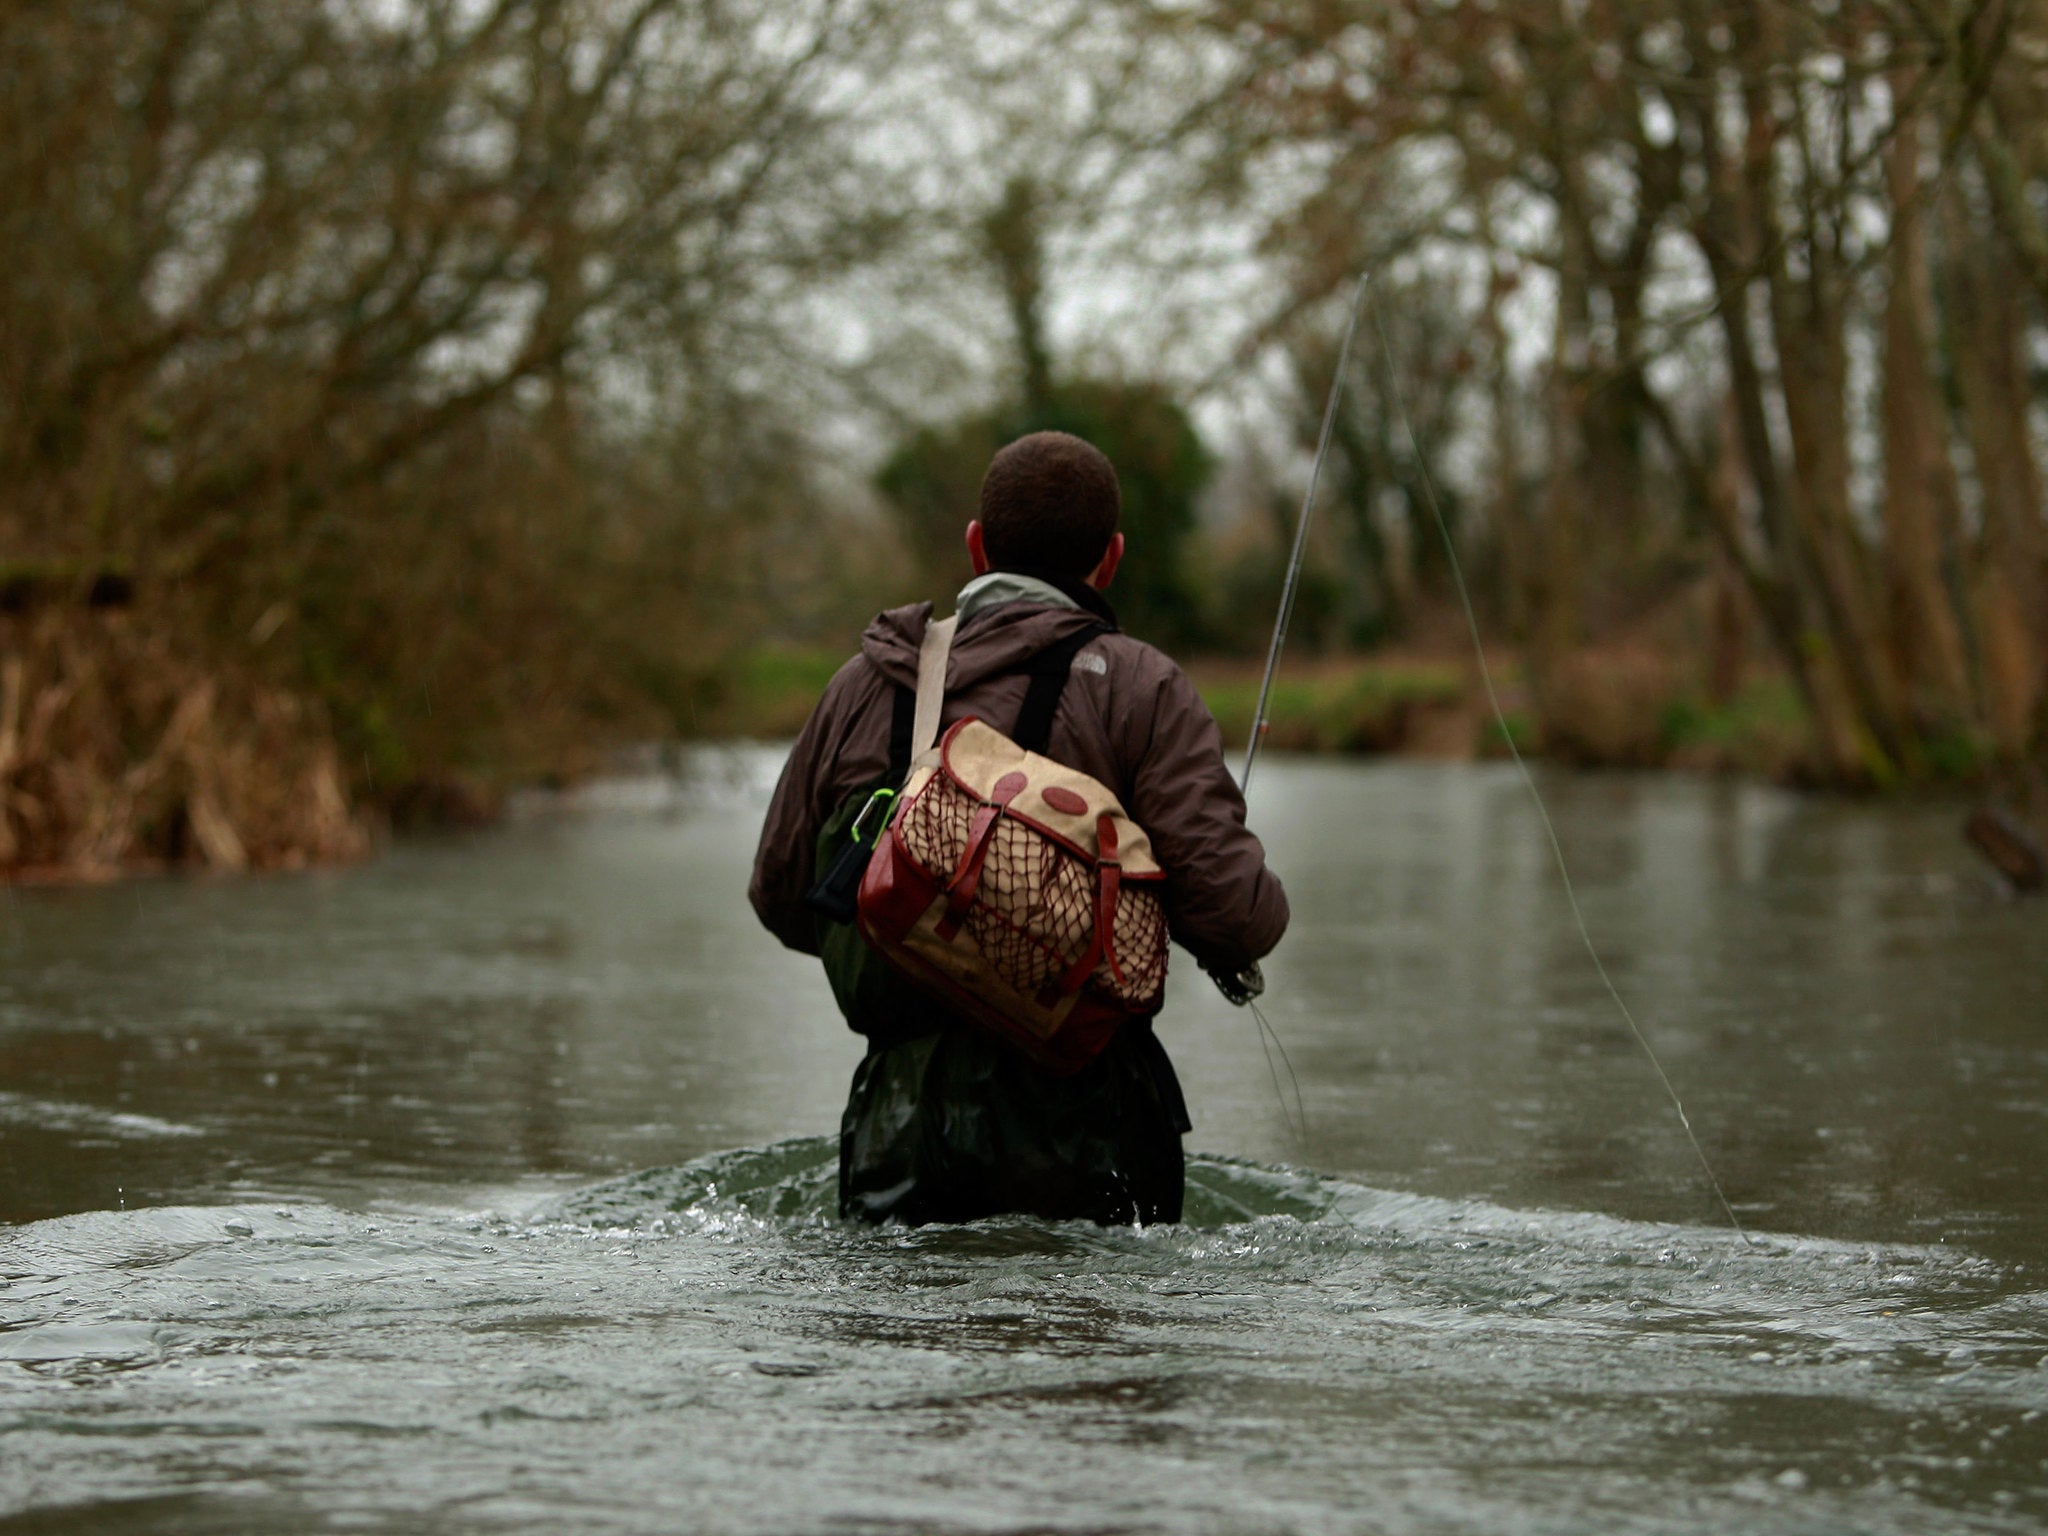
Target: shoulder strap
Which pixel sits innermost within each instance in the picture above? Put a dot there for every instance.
(1049, 671)
(901, 723)
(931, 684)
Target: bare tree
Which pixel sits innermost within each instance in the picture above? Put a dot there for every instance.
(350, 338)
(1824, 196)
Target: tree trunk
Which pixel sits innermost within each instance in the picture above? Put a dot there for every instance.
(1556, 610)
(1929, 662)
(1727, 629)
(2008, 565)
(1730, 227)
(1808, 321)
(1509, 518)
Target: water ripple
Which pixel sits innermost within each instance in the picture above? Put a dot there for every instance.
(706, 1347)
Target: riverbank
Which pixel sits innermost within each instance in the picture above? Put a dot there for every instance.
(1613, 708)
(136, 740)
(124, 752)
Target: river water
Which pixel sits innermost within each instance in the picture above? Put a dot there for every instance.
(488, 1188)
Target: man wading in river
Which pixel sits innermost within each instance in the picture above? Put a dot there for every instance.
(948, 1121)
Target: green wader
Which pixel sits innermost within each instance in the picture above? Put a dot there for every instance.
(956, 1125)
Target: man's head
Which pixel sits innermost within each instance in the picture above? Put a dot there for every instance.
(1049, 505)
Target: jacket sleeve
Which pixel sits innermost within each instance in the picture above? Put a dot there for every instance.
(1222, 903)
(803, 801)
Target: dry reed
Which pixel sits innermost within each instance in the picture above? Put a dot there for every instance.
(120, 751)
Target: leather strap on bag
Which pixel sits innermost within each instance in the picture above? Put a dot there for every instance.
(981, 833)
(1109, 876)
(1110, 872)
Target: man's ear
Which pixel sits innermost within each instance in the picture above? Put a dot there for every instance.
(1105, 568)
(977, 552)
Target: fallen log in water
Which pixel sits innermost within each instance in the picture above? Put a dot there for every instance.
(2007, 842)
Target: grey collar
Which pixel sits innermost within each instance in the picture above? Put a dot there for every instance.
(999, 587)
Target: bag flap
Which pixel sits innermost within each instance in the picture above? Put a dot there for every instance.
(1058, 800)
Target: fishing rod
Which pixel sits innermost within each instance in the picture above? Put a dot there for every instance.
(1246, 988)
(1292, 585)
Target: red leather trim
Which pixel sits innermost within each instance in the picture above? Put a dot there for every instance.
(894, 893)
(981, 832)
(1087, 1028)
(1078, 973)
(1110, 875)
(967, 876)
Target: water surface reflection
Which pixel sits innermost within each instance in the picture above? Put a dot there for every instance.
(1860, 1027)
(309, 1234)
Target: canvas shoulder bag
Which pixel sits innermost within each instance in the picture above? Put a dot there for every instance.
(1011, 887)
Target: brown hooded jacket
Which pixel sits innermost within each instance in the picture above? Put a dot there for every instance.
(1129, 717)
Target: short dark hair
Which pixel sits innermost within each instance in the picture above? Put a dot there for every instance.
(1049, 503)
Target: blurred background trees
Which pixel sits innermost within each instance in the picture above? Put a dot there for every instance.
(933, 480)
(419, 361)
(1762, 244)
(399, 401)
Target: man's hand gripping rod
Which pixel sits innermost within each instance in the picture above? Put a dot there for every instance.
(1249, 983)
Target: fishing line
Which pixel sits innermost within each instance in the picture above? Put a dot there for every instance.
(1443, 527)
(1244, 989)
(1299, 1125)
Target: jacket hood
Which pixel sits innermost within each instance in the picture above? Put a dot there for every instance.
(997, 640)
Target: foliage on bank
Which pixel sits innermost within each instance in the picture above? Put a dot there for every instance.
(1625, 708)
(396, 403)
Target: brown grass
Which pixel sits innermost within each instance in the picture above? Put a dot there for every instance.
(119, 753)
